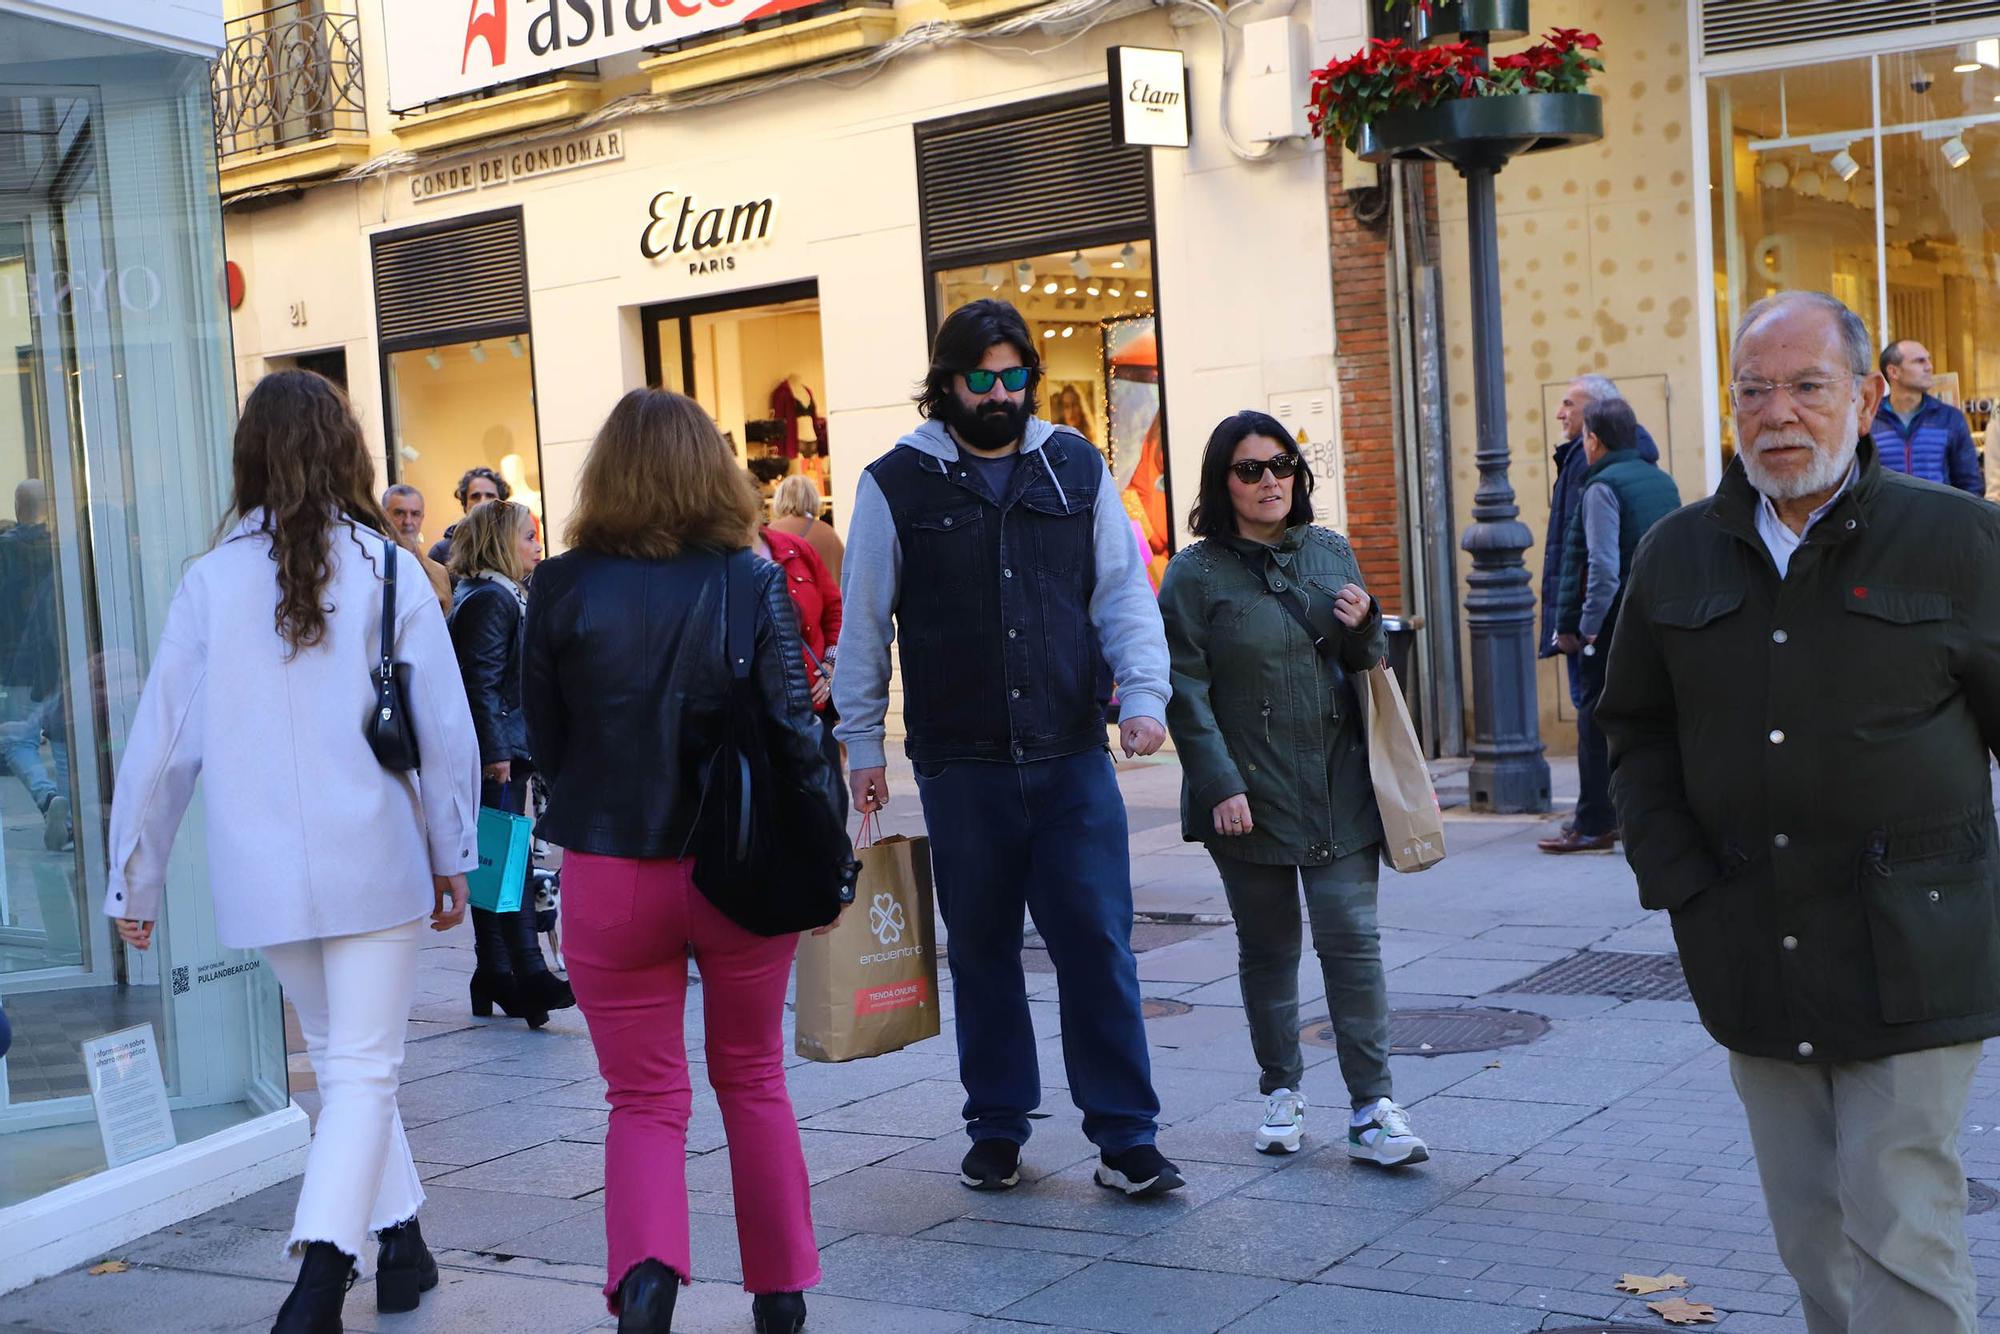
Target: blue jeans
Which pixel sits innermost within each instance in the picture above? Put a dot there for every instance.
(1049, 837)
(21, 743)
(1595, 815)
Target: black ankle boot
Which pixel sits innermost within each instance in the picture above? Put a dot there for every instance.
(538, 986)
(404, 1268)
(778, 1312)
(315, 1301)
(494, 981)
(646, 1299)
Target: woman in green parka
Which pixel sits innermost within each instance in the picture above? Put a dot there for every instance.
(1275, 768)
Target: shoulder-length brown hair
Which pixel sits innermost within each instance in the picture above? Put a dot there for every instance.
(301, 463)
(489, 538)
(659, 478)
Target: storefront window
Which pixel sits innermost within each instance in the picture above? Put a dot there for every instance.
(115, 412)
(461, 406)
(1889, 213)
(757, 366)
(1093, 314)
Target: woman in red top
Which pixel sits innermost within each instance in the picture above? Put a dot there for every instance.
(816, 596)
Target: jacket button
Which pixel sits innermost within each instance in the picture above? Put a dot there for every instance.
(1013, 634)
(1006, 574)
(1777, 736)
(1278, 585)
(1253, 768)
(1850, 525)
(1781, 841)
(1805, 1049)
(1934, 896)
(1779, 636)
(947, 522)
(1790, 942)
(1015, 693)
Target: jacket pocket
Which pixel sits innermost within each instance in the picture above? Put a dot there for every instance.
(1698, 611)
(1935, 933)
(1898, 606)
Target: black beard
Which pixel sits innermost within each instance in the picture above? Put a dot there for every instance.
(990, 426)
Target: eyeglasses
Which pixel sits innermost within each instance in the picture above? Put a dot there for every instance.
(1813, 392)
(1281, 466)
(1015, 378)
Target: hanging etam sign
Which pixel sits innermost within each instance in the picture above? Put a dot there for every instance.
(1149, 97)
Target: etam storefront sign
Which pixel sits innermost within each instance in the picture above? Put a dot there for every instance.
(443, 48)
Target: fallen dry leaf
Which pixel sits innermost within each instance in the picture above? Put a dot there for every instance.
(1643, 1286)
(1680, 1311)
(1493, 1065)
(109, 1267)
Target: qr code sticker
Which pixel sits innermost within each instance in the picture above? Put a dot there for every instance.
(181, 980)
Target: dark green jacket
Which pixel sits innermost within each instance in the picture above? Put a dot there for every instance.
(1800, 765)
(1256, 711)
(1646, 495)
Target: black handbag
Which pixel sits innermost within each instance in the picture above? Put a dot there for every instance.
(391, 733)
(770, 851)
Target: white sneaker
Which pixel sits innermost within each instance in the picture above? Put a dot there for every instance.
(1383, 1137)
(1284, 1122)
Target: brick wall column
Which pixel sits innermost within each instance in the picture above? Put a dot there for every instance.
(1361, 259)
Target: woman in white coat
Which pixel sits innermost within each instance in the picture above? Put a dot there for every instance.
(318, 856)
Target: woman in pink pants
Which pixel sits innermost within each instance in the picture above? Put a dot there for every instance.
(625, 681)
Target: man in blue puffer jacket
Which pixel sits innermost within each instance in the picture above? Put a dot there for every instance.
(1915, 433)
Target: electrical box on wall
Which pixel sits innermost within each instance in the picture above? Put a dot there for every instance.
(1340, 28)
(1309, 416)
(1273, 81)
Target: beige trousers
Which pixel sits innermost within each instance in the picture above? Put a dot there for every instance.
(1861, 1176)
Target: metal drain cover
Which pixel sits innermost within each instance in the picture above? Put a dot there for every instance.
(1610, 973)
(1442, 1032)
(1980, 1197)
(1152, 1007)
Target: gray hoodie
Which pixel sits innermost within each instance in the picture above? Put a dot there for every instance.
(1122, 608)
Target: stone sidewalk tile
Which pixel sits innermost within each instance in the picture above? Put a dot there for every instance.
(889, 1201)
(561, 1169)
(724, 1308)
(1329, 1176)
(142, 1299)
(1138, 1299)
(1271, 1238)
(945, 1275)
(494, 1132)
(484, 1300)
(1324, 1309)
(1481, 1126)
(1072, 1199)
(1022, 1236)
(456, 1092)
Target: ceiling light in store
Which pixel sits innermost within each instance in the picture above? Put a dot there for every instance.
(1966, 67)
(1048, 333)
(1116, 291)
(1955, 152)
(1051, 287)
(1094, 290)
(1844, 165)
(1126, 257)
(1987, 52)
(1069, 330)
(1139, 292)
(515, 346)
(434, 361)
(990, 277)
(479, 353)
(1070, 290)
(1078, 264)
(1024, 274)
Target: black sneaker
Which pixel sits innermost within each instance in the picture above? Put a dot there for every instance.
(1139, 1170)
(991, 1164)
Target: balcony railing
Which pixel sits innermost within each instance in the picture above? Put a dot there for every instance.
(289, 75)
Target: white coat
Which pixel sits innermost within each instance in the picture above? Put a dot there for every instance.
(308, 835)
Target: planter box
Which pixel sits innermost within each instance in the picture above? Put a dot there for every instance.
(1483, 133)
(1500, 20)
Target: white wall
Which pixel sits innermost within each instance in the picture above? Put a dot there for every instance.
(186, 25)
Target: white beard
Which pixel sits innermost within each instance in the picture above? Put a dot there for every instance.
(1826, 471)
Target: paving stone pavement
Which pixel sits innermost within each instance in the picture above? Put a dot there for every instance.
(1612, 1144)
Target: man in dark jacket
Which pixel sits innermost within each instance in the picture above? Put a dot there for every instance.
(478, 486)
(1918, 434)
(1804, 693)
(994, 547)
(1623, 496)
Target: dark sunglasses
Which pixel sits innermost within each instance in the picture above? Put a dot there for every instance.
(1015, 378)
(1248, 471)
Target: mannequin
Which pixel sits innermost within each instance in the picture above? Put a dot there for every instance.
(516, 474)
(793, 404)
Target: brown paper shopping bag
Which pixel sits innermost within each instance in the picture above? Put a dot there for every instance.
(1412, 824)
(869, 986)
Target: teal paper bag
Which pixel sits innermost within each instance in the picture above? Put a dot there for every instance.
(503, 860)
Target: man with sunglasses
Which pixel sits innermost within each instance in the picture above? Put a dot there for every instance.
(995, 545)
(1803, 695)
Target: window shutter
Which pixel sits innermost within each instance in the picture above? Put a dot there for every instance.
(1750, 25)
(451, 283)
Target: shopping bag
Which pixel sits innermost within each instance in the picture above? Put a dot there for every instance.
(495, 884)
(1412, 824)
(868, 986)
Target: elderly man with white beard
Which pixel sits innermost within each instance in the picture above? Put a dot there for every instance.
(1804, 689)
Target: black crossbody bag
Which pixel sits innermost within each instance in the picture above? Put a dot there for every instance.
(391, 733)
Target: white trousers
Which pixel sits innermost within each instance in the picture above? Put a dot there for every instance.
(1861, 1176)
(352, 995)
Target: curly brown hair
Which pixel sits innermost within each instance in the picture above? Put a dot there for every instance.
(302, 466)
(660, 478)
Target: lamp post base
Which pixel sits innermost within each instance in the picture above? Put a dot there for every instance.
(1509, 785)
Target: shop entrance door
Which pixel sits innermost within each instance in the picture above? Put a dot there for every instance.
(754, 360)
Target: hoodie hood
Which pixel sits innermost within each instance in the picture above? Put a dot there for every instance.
(933, 439)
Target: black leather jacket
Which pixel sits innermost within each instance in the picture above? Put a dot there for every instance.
(625, 685)
(486, 634)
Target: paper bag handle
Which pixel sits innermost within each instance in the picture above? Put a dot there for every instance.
(871, 830)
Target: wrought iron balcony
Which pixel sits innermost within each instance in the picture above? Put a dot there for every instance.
(289, 75)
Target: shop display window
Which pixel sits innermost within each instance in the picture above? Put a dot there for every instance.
(459, 406)
(1093, 314)
(758, 368)
(115, 417)
(1890, 212)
